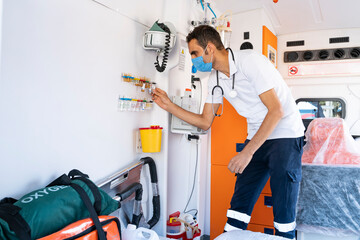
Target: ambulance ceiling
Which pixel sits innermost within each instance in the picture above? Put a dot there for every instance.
(291, 16)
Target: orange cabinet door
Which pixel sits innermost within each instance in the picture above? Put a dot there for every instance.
(261, 228)
(226, 131)
(263, 211)
(222, 188)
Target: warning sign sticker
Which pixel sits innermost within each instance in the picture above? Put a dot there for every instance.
(293, 70)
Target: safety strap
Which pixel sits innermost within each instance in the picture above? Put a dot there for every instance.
(76, 174)
(65, 180)
(10, 214)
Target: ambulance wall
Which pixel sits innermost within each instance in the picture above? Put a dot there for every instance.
(343, 86)
(252, 22)
(61, 65)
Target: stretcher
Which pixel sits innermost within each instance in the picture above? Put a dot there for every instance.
(125, 187)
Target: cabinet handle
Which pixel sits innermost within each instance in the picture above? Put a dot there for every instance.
(240, 147)
(268, 201)
(269, 231)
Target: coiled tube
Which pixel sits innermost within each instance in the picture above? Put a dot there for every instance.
(166, 55)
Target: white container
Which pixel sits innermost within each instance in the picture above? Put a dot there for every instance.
(133, 233)
(121, 104)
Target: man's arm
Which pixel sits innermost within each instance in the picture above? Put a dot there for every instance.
(203, 120)
(275, 112)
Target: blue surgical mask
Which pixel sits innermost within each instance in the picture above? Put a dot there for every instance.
(201, 65)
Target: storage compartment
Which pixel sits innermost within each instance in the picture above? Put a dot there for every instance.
(263, 211)
(222, 189)
(261, 228)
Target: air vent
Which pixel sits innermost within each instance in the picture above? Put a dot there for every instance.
(339, 53)
(295, 43)
(246, 45)
(308, 55)
(355, 52)
(323, 54)
(246, 35)
(292, 56)
(339, 40)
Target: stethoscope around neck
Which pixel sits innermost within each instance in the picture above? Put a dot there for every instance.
(232, 93)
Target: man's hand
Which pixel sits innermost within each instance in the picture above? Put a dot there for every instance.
(161, 98)
(203, 120)
(275, 112)
(238, 163)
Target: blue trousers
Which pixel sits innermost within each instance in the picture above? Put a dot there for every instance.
(279, 159)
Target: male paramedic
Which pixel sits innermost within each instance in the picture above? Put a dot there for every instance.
(256, 90)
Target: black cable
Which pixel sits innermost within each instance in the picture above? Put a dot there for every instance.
(200, 94)
(193, 80)
(193, 187)
(166, 50)
(196, 211)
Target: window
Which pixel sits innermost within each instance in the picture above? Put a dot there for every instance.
(311, 108)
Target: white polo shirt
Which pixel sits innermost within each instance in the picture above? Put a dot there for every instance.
(254, 75)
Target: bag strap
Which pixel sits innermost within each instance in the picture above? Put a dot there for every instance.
(10, 214)
(8, 200)
(92, 228)
(76, 174)
(65, 180)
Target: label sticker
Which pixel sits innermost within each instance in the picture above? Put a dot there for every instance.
(293, 70)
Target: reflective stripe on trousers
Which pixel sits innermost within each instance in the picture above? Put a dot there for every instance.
(238, 216)
(285, 227)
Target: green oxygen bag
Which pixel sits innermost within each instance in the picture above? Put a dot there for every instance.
(47, 210)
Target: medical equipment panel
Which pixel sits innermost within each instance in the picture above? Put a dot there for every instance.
(190, 102)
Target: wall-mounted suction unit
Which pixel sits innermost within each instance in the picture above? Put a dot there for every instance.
(161, 37)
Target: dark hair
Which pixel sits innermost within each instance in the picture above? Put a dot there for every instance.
(204, 34)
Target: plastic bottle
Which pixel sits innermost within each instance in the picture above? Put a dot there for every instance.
(186, 101)
(149, 105)
(192, 222)
(121, 104)
(126, 106)
(131, 233)
(187, 93)
(143, 105)
(225, 34)
(138, 105)
(133, 104)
